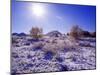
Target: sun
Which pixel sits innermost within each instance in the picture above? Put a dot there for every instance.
(38, 10)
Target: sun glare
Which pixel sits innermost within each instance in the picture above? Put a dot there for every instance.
(38, 10)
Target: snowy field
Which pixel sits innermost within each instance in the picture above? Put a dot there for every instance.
(52, 54)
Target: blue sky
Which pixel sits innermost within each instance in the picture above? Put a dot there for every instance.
(59, 17)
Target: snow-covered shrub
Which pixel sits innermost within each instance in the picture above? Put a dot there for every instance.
(29, 56)
(54, 41)
(32, 40)
(48, 55)
(63, 67)
(14, 41)
(36, 32)
(86, 44)
(27, 44)
(29, 65)
(50, 47)
(15, 55)
(59, 59)
(38, 46)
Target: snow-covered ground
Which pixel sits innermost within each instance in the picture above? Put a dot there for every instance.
(52, 54)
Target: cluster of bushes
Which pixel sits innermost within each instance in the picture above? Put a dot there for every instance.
(36, 32)
(14, 41)
(77, 32)
(93, 34)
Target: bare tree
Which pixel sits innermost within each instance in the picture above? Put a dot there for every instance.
(36, 32)
(76, 32)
